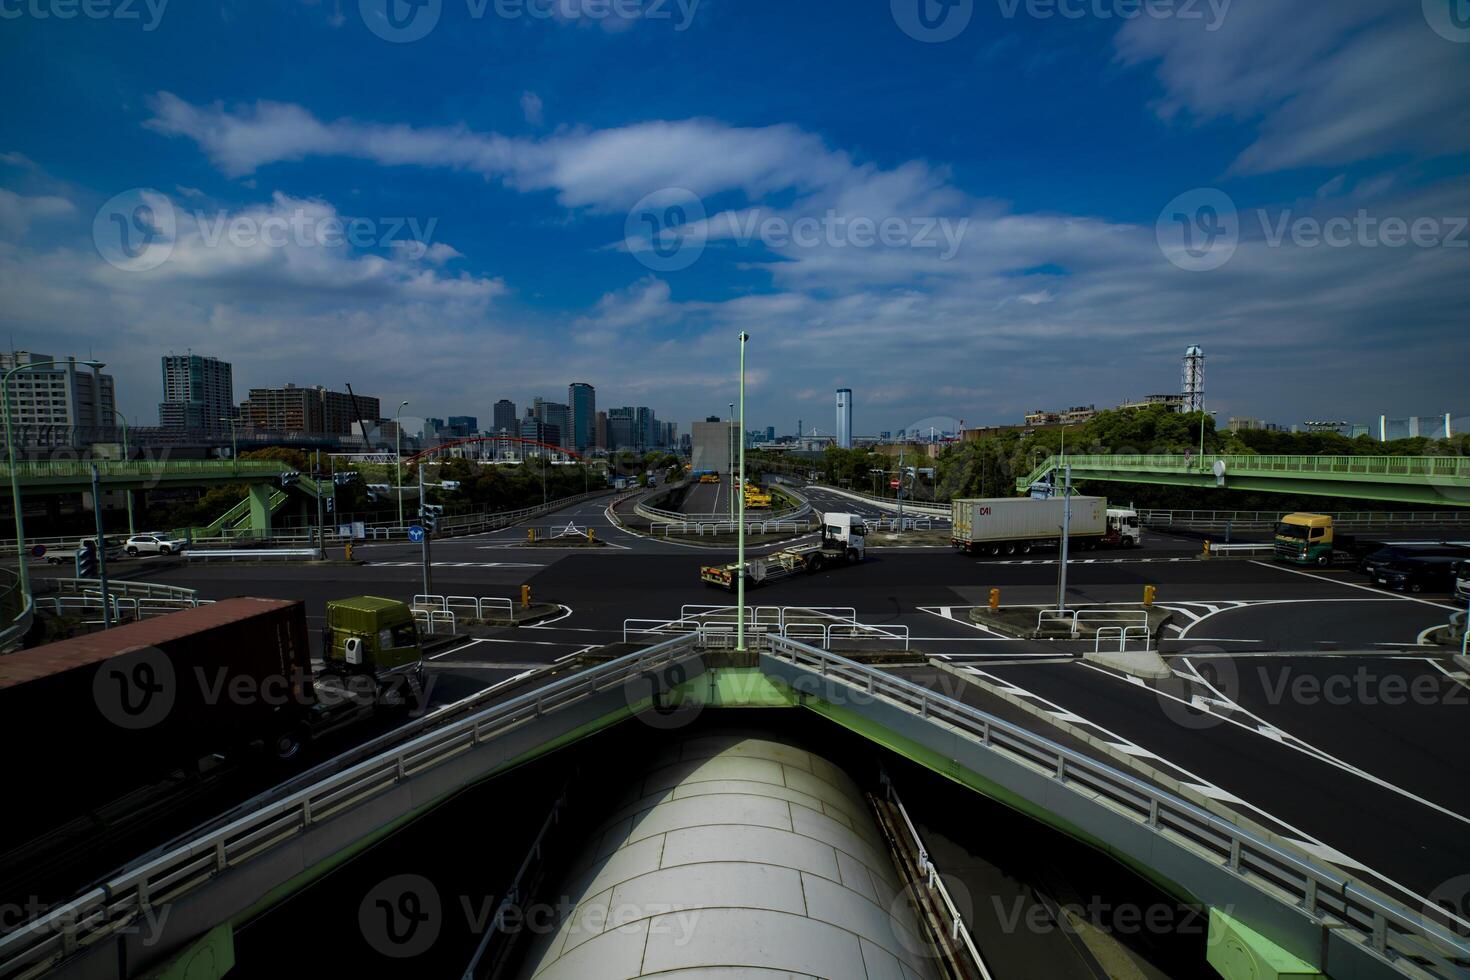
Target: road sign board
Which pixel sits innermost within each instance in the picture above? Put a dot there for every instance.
(415, 533)
(39, 551)
(893, 484)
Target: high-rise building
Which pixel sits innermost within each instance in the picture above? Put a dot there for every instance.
(463, 426)
(647, 428)
(668, 435)
(505, 417)
(543, 432)
(315, 411)
(53, 405)
(600, 435)
(582, 398)
(554, 414)
(198, 393)
(770, 433)
(844, 418)
(621, 426)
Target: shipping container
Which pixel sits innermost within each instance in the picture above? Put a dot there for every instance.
(1016, 524)
(94, 717)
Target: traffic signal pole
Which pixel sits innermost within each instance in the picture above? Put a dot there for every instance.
(101, 549)
(424, 544)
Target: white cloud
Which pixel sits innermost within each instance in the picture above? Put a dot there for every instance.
(1325, 83)
(17, 211)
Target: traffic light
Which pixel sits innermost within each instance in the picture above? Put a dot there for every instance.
(331, 504)
(87, 566)
(290, 478)
(342, 479)
(431, 514)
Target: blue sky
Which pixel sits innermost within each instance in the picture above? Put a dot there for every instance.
(967, 228)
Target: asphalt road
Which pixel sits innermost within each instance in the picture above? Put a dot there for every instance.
(1374, 781)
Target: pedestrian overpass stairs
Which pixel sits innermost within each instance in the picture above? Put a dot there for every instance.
(1278, 904)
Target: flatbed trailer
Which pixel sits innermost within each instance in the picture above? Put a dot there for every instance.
(843, 542)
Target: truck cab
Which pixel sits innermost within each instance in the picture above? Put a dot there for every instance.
(845, 534)
(368, 637)
(1305, 539)
(1124, 530)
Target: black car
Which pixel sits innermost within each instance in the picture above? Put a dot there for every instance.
(1388, 554)
(1422, 574)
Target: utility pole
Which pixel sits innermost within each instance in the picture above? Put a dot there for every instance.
(740, 533)
(321, 526)
(900, 490)
(424, 544)
(101, 549)
(1066, 535)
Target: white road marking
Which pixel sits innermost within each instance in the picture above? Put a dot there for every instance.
(1355, 585)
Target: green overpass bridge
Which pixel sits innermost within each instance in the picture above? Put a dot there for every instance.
(252, 514)
(1426, 480)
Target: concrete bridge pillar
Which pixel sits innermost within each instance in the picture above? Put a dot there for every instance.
(260, 509)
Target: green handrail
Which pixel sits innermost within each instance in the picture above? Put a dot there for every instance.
(1343, 467)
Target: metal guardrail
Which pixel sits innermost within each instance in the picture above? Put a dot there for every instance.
(252, 554)
(1358, 914)
(958, 930)
(1362, 468)
(1240, 549)
(123, 587)
(1268, 519)
(727, 527)
(932, 508)
(116, 905)
(114, 469)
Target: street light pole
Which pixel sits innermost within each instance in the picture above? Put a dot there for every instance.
(1066, 538)
(730, 460)
(128, 494)
(398, 456)
(101, 549)
(740, 555)
(23, 574)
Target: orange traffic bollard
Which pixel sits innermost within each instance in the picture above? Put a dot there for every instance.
(525, 597)
(531, 534)
(995, 600)
(1150, 593)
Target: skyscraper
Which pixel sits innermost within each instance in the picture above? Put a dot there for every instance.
(582, 398)
(55, 405)
(844, 418)
(505, 417)
(198, 393)
(555, 414)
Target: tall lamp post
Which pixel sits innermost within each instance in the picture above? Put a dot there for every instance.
(126, 456)
(23, 573)
(398, 457)
(740, 533)
(730, 459)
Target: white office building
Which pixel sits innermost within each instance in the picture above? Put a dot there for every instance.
(844, 418)
(62, 404)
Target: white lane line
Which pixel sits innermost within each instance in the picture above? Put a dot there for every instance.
(1306, 748)
(1355, 585)
(948, 613)
(1200, 783)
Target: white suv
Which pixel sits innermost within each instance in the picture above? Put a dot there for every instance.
(154, 544)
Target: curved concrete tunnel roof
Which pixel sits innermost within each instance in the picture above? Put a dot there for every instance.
(736, 855)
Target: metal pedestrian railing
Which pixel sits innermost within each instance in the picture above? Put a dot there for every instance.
(1425, 940)
(1255, 520)
(1415, 469)
(119, 903)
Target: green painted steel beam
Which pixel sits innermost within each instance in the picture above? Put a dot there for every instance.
(1422, 480)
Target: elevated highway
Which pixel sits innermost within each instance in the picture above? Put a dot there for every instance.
(1424, 480)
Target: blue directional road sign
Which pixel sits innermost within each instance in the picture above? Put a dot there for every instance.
(415, 533)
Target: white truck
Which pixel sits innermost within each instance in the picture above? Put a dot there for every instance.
(843, 542)
(1016, 525)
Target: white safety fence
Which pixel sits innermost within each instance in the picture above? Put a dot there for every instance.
(1242, 550)
(821, 626)
(1117, 623)
(120, 607)
(438, 614)
(252, 554)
